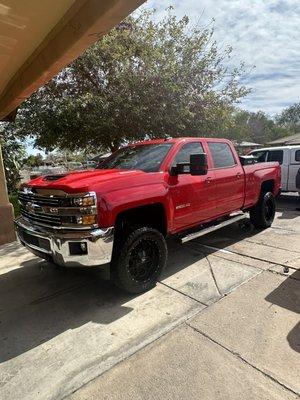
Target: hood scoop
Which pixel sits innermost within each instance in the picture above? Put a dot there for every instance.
(54, 177)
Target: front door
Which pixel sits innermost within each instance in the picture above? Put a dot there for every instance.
(191, 196)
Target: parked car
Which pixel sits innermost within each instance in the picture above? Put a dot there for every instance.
(289, 160)
(46, 170)
(100, 158)
(74, 165)
(90, 164)
(122, 212)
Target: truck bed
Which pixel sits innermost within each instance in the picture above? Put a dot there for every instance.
(257, 173)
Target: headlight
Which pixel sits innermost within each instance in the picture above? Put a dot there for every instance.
(87, 219)
(88, 209)
(84, 201)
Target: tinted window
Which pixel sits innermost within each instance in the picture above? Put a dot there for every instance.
(275, 155)
(297, 155)
(147, 158)
(260, 155)
(183, 155)
(221, 154)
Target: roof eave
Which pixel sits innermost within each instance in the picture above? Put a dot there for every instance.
(84, 23)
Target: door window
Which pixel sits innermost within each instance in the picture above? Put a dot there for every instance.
(183, 155)
(260, 155)
(275, 155)
(221, 154)
(297, 155)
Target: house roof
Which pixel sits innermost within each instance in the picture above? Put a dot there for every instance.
(39, 38)
(293, 139)
(247, 144)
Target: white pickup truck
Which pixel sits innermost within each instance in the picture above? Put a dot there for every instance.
(289, 160)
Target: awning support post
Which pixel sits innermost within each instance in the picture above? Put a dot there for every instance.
(7, 232)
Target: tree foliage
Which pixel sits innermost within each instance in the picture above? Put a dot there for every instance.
(13, 153)
(34, 160)
(143, 79)
(290, 118)
(256, 127)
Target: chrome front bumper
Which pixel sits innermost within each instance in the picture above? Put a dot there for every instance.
(71, 249)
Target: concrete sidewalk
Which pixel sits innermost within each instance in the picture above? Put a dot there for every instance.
(235, 349)
(222, 323)
(245, 346)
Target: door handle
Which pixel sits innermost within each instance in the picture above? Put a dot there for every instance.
(238, 175)
(208, 180)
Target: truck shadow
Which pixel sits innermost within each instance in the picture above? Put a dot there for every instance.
(289, 206)
(39, 301)
(287, 295)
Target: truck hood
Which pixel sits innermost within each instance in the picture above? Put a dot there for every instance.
(84, 181)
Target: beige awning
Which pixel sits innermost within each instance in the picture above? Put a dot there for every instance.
(40, 37)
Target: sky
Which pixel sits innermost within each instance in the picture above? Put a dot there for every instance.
(264, 34)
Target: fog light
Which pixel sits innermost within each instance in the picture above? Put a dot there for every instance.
(78, 249)
(83, 247)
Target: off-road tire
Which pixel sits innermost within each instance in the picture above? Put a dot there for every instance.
(263, 213)
(123, 259)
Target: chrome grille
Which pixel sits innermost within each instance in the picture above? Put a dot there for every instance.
(52, 210)
(42, 219)
(39, 200)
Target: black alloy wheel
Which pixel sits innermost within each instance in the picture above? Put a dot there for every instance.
(263, 213)
(138, 261)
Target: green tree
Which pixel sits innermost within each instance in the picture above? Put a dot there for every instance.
(144, 79)
(256, 127)
(13, 153)
(34, 160)
(290, 118)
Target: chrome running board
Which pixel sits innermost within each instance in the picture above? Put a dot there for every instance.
(204, 231)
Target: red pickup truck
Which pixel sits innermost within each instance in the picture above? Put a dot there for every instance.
(122, 212)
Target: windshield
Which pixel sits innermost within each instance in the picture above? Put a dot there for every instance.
(147, 158)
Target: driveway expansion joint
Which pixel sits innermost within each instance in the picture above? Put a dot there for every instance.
(184, 294)
(212, 272)
(246, 255)
(241, 358)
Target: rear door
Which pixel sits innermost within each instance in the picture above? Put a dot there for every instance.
(294, 170)
(228, 178)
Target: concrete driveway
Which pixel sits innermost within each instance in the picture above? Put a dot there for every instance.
(222, 323)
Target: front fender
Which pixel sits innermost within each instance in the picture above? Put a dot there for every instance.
(118, 201)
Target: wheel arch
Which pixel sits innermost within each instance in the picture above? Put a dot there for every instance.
(151, 215)
(268, 186)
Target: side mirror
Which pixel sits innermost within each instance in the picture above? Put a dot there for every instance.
(198, 164)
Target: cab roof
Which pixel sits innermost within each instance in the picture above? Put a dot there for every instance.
(277, 148)
(176, 140)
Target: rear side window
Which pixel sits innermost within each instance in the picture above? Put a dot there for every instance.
(275, 155)
(297, 155)
(221, 154)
